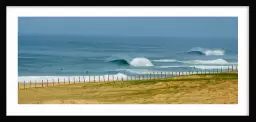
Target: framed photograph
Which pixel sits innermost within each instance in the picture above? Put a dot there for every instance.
(176, 60)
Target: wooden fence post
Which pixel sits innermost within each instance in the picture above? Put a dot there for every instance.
(35, 83)
(84, 79)
(42, 83)
(58, 81)
(47, 83)
(89, 78)
(24, 85)
(53, 81)
(30, 83)
(64, 80)
(94, 78)
(179, 73)
(74, 80)
(69, 80)
(79, 79)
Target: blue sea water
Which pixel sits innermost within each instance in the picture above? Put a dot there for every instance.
(81, 55)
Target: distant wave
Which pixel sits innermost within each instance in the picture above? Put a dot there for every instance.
(198, 67)
(207, 52)
(138, 61)
(211, 67)
(170, 66)
(165, 60)
(217, 61)
(120, 61)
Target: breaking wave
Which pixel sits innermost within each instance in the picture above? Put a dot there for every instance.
(216, 61)
(207, 52)
(138, 61)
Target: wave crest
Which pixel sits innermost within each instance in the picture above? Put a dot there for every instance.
(138, 61)
(207, 52)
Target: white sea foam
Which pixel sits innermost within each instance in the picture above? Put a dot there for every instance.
(208, 52)
(169, 66)
(217, 61)
(214, 67)
(118, 76)
(165, 60)
(138, 61)
(214, 52)
(141, 61)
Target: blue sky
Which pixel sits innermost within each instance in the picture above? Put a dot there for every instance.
(132, 26)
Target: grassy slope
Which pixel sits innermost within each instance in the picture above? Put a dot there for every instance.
(219, 88)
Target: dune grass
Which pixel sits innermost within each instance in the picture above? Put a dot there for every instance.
(220, 88)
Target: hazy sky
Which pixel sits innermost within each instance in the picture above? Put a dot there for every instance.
(132, 26)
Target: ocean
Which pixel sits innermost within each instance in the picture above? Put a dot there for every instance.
(43, 57)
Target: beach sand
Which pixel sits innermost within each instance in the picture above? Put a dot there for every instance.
(220, 88)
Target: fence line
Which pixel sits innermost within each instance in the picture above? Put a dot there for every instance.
(146, 76)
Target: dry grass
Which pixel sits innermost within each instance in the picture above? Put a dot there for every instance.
(195, 89)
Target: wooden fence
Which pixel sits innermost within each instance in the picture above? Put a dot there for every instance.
(111, 78)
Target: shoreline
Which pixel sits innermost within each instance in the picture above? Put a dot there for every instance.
(112, 77)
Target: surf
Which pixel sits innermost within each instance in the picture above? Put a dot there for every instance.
(72, 79)
(165, 60)
(206, 52)
(216, 61)
(137, 62)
